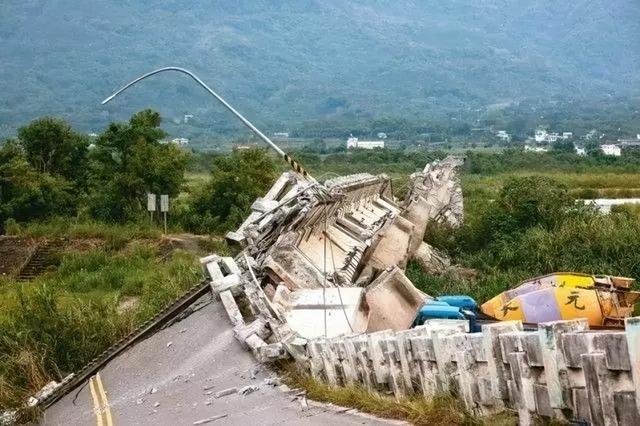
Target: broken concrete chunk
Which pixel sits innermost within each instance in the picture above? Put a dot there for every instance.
(393, 302)
(247, 390)
(230, 305)
(261, 205)
(272, 352)
(258, 327)
(210, 419)
(225, 392)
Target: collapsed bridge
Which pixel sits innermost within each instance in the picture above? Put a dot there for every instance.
(320, 279)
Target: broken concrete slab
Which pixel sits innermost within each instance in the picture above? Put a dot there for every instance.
(393, 301)
(305, 310)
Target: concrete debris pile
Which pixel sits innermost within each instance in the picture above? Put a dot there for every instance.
(321, 279)
(324, 260)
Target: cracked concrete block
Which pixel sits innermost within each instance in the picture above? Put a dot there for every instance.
(496, 366)
(211, 266)
(392, 358)
(231, 307)
(272, 352)
(555, 365)
(632, 331)
(614, 347)
(393, 301)
(258, 327)
(254, 342)
(364, 363)
(523, 380)
(422, 351)
(263, 205)
(232, 283)
(625, 408)
(599, 390)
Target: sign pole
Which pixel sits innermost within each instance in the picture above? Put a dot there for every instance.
(151, 205)
(164, 208)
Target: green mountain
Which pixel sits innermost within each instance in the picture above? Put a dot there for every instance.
(282, 63)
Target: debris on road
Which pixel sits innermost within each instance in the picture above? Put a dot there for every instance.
(247, 390)
(226, 392)
(210, 419)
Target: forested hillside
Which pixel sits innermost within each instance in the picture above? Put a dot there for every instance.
(286, 62)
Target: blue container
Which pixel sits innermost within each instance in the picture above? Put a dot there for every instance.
(460, 301)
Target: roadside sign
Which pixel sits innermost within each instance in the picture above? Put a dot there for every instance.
(151, 202)
(164, 203)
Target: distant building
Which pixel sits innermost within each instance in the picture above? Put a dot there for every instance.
(591, 135)
(242, 147)
(93, 135)
(355, 143)
(540, 136)
(281, 135)
(553, 137)
(610, 149)
(530, 148)
(503, 136)
(187, 117)
(580, 151)
(383, 135)
(180, 141)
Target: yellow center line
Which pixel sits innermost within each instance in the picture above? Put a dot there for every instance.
(105, 402)
(96, 402)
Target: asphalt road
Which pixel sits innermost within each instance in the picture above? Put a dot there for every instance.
(172, 378)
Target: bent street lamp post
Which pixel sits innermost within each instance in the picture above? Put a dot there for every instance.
(294, 164)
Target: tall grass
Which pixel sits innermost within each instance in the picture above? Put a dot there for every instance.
(444, 410)
(57, 323)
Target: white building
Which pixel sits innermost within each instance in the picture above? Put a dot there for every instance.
(580, 151)
(611, 150)
(187, 117)
(355, 143)
(540, 136)
(383, 135)
(553, 137)
(281, 135)
(503, 135)
(530, 148)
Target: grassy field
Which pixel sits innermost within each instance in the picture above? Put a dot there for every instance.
(580, 185)
(108, 280)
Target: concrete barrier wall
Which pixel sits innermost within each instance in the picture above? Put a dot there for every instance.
(562, 370)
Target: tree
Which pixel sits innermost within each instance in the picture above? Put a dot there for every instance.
(236, 181)
(25, 193)
(130, 161)
(51, 146)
